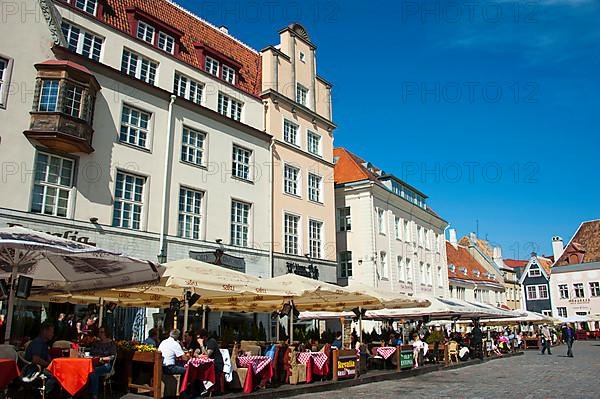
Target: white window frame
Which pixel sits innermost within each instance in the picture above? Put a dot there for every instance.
(562, 311)
(315, 239)
(301, 94)
(230, 107)
(84, 5)
(563, 291)
(212, 66)
(429, 274)
(228, 74)
(534, 271)
(409, 274)
(313, 143)
(398, 227)
(168, 42)
(240, 223)
(422, 273)
(345, 262)
(291, 237)
(74, 100)
(6, 65)
(594, 289)
(401, 270)
(291, 180)
(407, 232)
(315, 192)
(132, 202)
(193, 143)
(576, 287)
(44, 106)
(43, 182)
(144, 30)
(344, 219)
(440, 277)
(188, 88)
(542, 288)
(385, 269)
(241, 164)
(189, 222)
(291, 132)
(76, 38)
(381, 221)
(141, 68)
(135, 135)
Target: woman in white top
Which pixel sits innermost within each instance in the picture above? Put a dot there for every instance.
(418, 347)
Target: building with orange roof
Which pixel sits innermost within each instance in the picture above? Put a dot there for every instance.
(388, 237)
(575, 278)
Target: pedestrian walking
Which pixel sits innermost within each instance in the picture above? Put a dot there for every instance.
(477, 340)
(568, 335)
(546, 339)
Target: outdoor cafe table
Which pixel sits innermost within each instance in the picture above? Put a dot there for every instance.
(198, 369)
(386, 351)
(316, 363)
(8, 372)
(258, 366)
(71, 373)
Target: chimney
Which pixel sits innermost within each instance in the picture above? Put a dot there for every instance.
(557, 247)
(497, 255)
(452, 238)
(473, 237)
(224, 29)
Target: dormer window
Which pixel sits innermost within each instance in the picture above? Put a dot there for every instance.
(476, 273)
(228, 74)
(452, 268)
(89, 6)
(145, 32)
(463, 270)
(212, 66)
(166, 42)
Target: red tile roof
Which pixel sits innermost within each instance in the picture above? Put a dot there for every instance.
(584, 247)
(545, 263)
(194, 30)
(71, 64)
(349, 168)
(460, 257)
(515, 263)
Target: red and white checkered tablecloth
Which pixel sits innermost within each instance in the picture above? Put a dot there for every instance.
(258, 363)
(319, 358)
(197, 361)
(386, 351)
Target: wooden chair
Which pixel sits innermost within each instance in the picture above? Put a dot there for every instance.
(107, 378)
(8, 352)
(239, 374)
(62, 344)
(297, 371)
(453, 351)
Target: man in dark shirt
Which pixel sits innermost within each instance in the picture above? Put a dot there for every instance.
(210, 348)
(37, 352)
(477, 340)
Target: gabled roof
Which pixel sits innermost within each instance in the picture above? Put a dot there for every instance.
(350, 168)
(584, 247)
(460, 257)
(194, 31)
(514, 263)
(543, 263)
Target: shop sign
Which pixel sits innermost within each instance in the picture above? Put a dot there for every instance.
(406, 359)
(68, 234)
(220, 258)
(346, 367)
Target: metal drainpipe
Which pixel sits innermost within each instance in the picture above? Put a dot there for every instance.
(165, 196)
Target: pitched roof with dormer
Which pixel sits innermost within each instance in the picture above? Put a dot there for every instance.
(584, 247)
(463, 266)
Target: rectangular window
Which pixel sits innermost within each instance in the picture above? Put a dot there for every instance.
(139, 67)
(409, 274)
(578, 288)
(129, 192)
(314, 188)
(290, 132)
(313, 143)
(429, 275)
(192, 146)
(291, 234)
(531, 292)
(563, 290)
(48, 96)
(407, 235)
(291, 177)
(401, 270)
(381, 221)
(240, 223)
(344, 220)
(301, 94)
(145, 32)
(241, 163)
(542, 292)
(595, 289)
(82, 42)
(166, 42)
(534, 271)
(211, 66)
(190, 213)
(188, 88)
(398, 227)
(53, 183)
(228, 74)
(345, 259)
(422, 273)
(440, 277)
(89, 6)
(385, 271)
(73, 101)
(134, 127)
(4, 80)
(420, 236)
(315, 230)
(562, 311)
(230, 107)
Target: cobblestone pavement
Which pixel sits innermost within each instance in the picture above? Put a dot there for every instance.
(530, 376)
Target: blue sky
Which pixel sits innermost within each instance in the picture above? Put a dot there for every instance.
(490, 109)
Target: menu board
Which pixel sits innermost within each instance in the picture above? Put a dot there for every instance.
(346, 364)
(406, 358)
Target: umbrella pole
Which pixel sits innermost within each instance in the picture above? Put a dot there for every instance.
(186, 312)
(101, 312)
(277, 328)
(11, 304)
(291, 316)
(204, 316)
(360, 326)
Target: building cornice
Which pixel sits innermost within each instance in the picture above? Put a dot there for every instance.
(304, 153)
(270, 93)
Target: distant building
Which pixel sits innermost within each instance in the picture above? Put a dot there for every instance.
(575, 279)
(534, 278)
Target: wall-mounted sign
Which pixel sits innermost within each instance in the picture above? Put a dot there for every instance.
(220, 258)
(406, 358)
(346, 365)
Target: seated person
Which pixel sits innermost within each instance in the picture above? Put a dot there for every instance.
(337, 342)
(152, 339)
(38, 353)
(394, 341)
(210, 348)
(463, 353)
(172, 352)
(106, 351)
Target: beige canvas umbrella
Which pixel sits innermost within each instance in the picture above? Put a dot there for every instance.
(390, 300)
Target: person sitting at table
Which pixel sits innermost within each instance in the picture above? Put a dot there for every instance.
(210, 348)
(38, 353)
(337, 342)
(106, 351)
(90, 327)
(172, 351)
(152, 339)
(394, 341)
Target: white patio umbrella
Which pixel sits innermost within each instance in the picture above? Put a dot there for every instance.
(57, 264)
